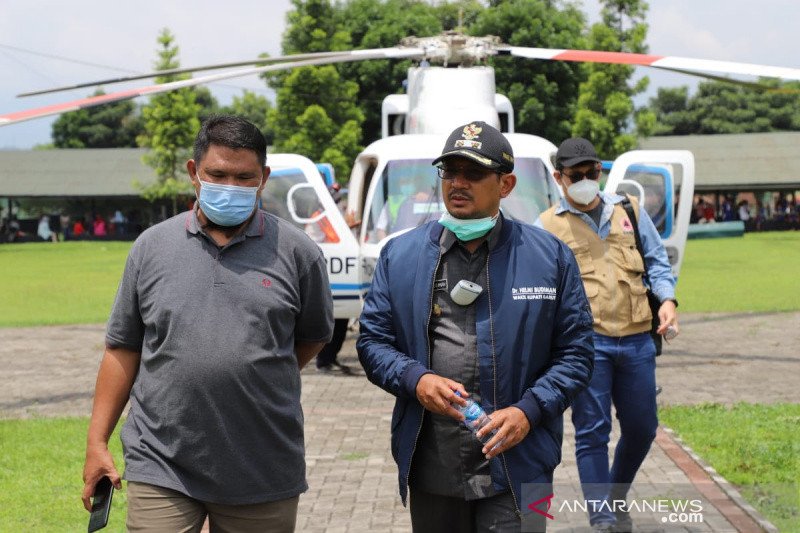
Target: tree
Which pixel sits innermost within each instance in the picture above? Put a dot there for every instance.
(543, 93)
(114, 125)
(605, 105)
(671, 108)
(171, 123)
(256, 109)
(380, 24)
(316, 112)
(720, 107)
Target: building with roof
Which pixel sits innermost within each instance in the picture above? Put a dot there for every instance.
(746, 162)
(759, 168)
(81, 183)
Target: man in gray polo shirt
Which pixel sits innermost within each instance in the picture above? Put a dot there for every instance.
(218, 310)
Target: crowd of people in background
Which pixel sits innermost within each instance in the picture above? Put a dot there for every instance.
(781, 214)
(63, 227)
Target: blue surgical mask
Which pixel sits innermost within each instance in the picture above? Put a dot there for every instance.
(467, 229)
(227, 205)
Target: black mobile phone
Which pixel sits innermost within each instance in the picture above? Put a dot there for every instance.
(101, 504)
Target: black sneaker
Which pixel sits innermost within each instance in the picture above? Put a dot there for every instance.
(603, 527)
(326, 369)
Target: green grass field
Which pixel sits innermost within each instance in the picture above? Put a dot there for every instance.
(75, 282)
(755, 447)
(757, 272)
(59, 283)
(41, 462)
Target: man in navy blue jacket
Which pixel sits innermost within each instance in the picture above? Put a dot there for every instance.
(522, 348)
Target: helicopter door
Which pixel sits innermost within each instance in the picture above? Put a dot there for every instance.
(296, 192)
(663, 182)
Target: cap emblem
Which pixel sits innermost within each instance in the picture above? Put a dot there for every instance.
(471, 131)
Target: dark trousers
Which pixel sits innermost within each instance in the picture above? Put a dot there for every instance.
(431, 513)
(327, 356)
(625, 375)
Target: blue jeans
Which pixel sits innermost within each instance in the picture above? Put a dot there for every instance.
(625, 374)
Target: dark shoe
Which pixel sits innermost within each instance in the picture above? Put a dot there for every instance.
(624, 522)
(344, 369)
(326, 369)
(603, 527)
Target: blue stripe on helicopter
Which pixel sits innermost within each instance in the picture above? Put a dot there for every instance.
(361, 287)
(349, 286)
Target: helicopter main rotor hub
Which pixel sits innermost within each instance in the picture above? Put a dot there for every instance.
(455, 48)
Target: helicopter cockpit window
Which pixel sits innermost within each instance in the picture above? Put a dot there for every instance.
(534, 193)
(305, 212)
(407, 195)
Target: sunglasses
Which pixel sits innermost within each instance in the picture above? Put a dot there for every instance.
(469, 174)
(575, 177)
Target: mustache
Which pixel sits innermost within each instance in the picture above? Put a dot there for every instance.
(463, 195)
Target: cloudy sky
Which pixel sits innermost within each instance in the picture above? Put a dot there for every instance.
(45, 43)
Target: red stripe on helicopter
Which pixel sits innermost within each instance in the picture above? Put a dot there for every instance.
(593, 56)
(75, 104)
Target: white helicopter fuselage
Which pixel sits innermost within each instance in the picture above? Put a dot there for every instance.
(438, 100)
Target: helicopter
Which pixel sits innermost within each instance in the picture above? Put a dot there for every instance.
(450, 84)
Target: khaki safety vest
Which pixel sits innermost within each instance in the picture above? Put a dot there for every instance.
(611, 270)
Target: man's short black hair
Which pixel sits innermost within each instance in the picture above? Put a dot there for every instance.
(230, 131)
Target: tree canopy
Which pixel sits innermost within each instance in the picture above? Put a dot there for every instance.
(605, 105)
(316, 111)
(114, 125)
(719, 107)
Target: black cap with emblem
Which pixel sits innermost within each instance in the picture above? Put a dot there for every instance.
(482, 143)
(574, 151)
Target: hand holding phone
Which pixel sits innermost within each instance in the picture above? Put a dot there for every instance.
(101, 504)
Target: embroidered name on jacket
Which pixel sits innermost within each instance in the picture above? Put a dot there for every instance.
(534, 293)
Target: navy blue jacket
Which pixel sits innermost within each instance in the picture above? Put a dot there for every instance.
(534, 334)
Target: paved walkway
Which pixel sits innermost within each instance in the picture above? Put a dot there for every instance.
(351, 474)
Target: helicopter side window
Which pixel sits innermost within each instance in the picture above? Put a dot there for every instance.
(656, 199)
(407, 195)
(306, 204)
(534, 193)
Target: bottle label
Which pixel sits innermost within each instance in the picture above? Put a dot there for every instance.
(472, 412)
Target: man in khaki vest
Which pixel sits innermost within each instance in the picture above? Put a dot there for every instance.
(597, 229)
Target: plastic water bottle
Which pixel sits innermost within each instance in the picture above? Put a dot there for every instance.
(474, 417)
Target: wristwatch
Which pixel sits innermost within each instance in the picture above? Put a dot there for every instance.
(673, 300)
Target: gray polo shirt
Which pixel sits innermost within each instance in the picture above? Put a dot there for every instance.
(448, 460)
(215, 409)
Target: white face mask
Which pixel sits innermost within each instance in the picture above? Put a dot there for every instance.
(584, 191)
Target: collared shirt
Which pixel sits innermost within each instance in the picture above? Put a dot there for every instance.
(448, 460)
(659, 271)
(215, 408)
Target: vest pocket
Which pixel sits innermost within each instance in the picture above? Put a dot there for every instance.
(640, 308)
(631, 260)
(584, 259)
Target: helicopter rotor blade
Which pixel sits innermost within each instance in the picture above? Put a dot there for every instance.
(122, 79)
(355, 55)
(684, 65)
